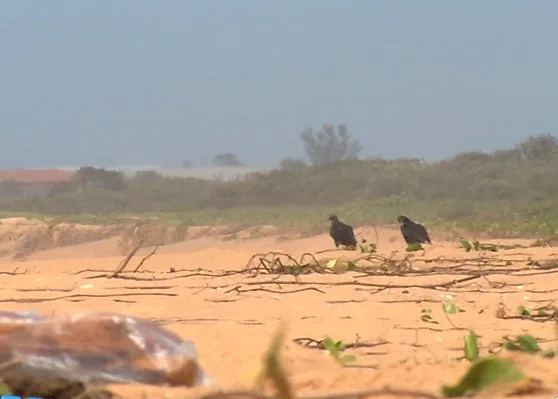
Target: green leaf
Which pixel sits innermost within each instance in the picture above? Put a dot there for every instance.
(340, 346)
(542, 312)
(523, 343)
(351, 266)
(529, 343)
(273, 370)
(335, 348)
(471, 347)
(348, 359)
(483, 374)
(329, 345)
(414, 247)
(331, 263)
(451, 308)
(367, 248)
(523, 311)
(465, 244)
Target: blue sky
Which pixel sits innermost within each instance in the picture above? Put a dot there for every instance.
(158, 82)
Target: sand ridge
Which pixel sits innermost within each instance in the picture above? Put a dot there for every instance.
(232, 329)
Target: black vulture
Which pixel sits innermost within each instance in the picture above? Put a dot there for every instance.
(413, 233)
(341, 233)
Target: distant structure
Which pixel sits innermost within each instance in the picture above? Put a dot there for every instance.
(43, 182)
(223, 173)
(32, 182)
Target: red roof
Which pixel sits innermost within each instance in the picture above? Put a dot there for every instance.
(35, 175)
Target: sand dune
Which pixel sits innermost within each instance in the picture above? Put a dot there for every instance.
(232, 330)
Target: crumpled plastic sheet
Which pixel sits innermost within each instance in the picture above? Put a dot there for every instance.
(92, 347)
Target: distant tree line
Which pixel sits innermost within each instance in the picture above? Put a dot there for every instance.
(333, 143)
(333, 175)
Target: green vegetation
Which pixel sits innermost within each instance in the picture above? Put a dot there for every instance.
(471, 346)
(451, 308)
(414, 247)
(492, 372)
(498, 375)
(335, 349)
(508, 191)
(273, 370)
(427, 316)
(484, 373)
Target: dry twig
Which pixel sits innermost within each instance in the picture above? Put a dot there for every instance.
(126, 260)
(146, 257)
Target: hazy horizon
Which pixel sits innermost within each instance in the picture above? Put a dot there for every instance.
(159, 83)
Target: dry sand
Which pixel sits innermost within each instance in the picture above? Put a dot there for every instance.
(232, 330)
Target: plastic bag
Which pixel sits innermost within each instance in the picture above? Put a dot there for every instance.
(97, 348)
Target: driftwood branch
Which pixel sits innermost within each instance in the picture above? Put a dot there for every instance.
(385, 393)
(146, 257)
(126, 260)
(372, 285)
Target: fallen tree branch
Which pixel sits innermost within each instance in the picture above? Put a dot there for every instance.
(319, 343)
(124, 276)
(240, 291)
(385, 392)
(39, 300)
(15, 272)
(126, 260)
(373, 285)
(146, 257)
